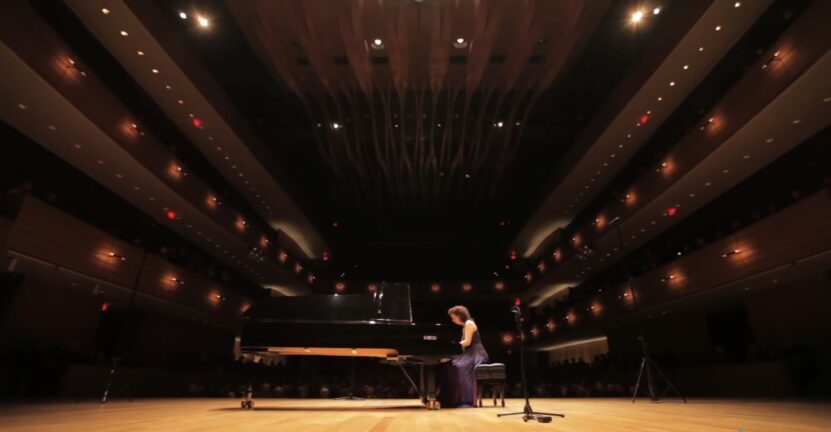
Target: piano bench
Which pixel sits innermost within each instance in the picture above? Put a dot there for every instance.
(492, 376)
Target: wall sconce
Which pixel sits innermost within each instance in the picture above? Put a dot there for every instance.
(282, 257)
(667, 278)
(774, 58)
(731, 252)
(117, 256)
(177, 281)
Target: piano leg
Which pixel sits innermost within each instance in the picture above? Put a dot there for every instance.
(421, 386)
(430, 390)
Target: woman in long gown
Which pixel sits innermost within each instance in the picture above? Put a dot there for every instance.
(459, 387)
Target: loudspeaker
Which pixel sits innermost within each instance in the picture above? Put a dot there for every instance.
(117, 331)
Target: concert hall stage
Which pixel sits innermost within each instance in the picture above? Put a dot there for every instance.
(406, 415)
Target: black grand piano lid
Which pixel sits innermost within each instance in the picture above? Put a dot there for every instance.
(389, 303)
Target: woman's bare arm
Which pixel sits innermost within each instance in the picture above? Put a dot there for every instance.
(470, 328)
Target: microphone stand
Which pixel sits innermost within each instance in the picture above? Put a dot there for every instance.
(527, 412)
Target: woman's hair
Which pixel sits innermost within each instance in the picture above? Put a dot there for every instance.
(459, 311)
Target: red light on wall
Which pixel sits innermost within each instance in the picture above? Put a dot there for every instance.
(517, 301)
(197, 122)
(513, 255)
(672, 211)
(325, 256)
(171, 215)
(104, 307)
(644, 119)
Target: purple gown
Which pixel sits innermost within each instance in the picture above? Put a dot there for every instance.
(459, 384)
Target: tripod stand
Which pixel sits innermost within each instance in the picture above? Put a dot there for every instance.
(351, 395)
(648, 365)
(527, 412)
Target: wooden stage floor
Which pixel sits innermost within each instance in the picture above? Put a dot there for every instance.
(309, 415)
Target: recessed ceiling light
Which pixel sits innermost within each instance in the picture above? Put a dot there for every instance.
(181, 102)
(155, 71)
(636, 17)
(105, 11)
(167, 87)
(701, 48)
(124, 33)
(686, 67)
(708, 184)
(769, 140)
(737, 4)
(140, 52)
(183, 15)
(747, 156)
(827, 99)
(660, 98)
(672, 83)
(727, 171)
(692, 195)
(52, 127)
(377, 43)
(718, 28)
(203, 22)
(77, 146)
(22, 106)
(656, 11)
(796, 121)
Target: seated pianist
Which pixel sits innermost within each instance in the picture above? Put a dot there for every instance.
(458, 387)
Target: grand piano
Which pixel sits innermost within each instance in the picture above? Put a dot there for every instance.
(378, 324)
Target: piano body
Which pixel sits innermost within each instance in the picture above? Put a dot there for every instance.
(377, 324)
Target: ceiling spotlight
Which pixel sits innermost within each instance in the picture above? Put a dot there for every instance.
(141, 53)
(460, 42)
(718, 28)
(203, 22)
(737, 4)
(686, 67)
(105, 11)
(336, 125)
(656, 11)
(637, 16)
(499, 124)
(183, 15)
(377, 43)
(155, 71)
(124, 33)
